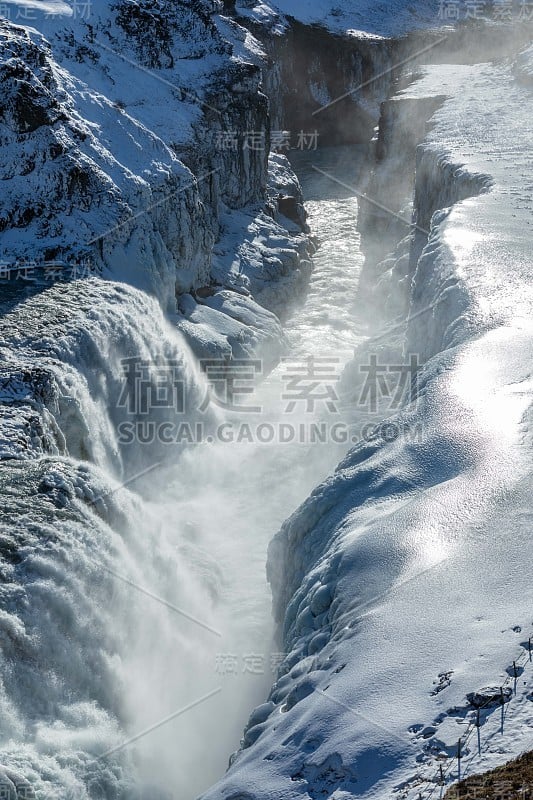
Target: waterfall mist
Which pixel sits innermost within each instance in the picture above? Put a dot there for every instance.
(142, 600)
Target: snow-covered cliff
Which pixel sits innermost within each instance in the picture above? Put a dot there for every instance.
(126, 156)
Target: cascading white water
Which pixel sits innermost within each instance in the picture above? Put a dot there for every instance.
(68, 622)
(134, 604)
(220, 506)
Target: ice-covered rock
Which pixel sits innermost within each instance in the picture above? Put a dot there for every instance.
(125, 142)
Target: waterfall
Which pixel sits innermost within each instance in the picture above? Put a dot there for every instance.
(84, 641)
(135, 592)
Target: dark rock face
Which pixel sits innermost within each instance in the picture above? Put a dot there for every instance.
(27, 86)
(312, 67)
(292, 208)
(158, 28)
(490, 696)
(234, 105)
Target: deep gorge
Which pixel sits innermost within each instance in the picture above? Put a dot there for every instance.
(133, 574)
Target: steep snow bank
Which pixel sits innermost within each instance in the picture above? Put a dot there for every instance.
(401, 585)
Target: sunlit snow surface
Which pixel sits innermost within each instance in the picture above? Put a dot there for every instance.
(358, 17)
(408, 573)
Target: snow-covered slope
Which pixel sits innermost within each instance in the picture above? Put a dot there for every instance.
(358, 17)
(403, 584)
(114, 131)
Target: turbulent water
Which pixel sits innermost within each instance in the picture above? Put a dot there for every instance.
(135, 623)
